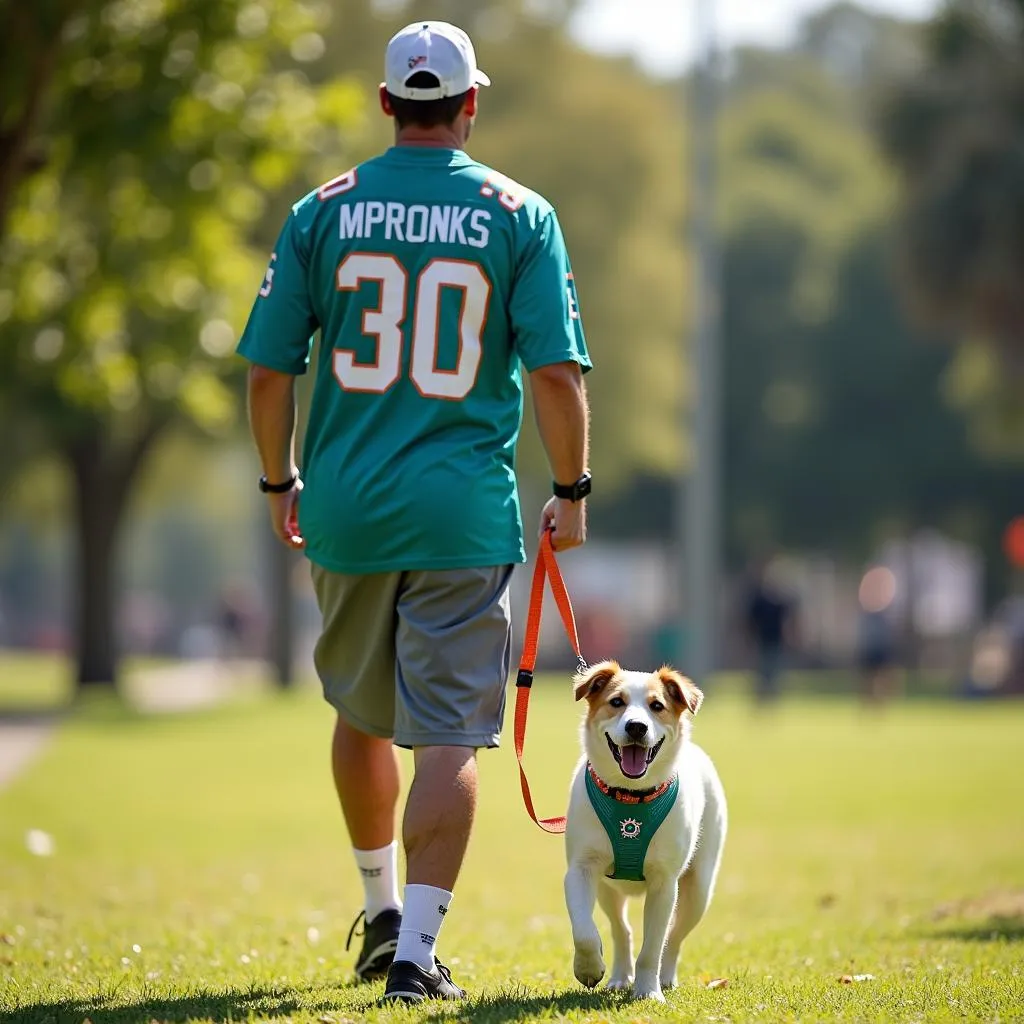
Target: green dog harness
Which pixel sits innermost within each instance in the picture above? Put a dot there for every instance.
(630, 821)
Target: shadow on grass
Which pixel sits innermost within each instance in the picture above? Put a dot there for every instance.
(271, 1003)
(998, 928)
(220, 1006)
(522, 1004)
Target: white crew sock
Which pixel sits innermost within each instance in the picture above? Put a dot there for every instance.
(379, 869)
(425, 907)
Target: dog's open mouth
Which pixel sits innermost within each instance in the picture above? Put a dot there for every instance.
(633, 758)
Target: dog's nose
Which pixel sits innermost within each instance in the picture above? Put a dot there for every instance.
(636, 730)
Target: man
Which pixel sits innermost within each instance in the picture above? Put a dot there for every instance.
(431, 279)
(769, 623)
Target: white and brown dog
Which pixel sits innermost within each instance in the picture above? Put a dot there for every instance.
(647, 814)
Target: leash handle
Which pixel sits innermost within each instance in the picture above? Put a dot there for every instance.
(546, 568)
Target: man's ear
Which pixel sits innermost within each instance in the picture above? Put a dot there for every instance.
(680, 690)
(385, 100)
(595, 679)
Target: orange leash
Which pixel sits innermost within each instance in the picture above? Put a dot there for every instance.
(546, 568)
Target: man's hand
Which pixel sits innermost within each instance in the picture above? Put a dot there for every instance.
(568, 520)
(284, 517)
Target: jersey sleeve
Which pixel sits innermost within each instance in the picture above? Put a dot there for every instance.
(279, 333)
(543, 307)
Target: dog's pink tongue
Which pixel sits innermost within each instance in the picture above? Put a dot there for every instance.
(634, 760)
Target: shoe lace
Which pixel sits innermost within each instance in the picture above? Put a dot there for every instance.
(444, 972)
(352, 930)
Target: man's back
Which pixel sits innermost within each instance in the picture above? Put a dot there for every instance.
(431, 277)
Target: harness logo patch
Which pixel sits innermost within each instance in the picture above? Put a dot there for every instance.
(630, 828)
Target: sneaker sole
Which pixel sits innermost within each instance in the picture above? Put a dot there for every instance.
(404, 997)
(377, 964)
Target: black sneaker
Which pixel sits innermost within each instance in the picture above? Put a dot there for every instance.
(380, 940)
(409, 983)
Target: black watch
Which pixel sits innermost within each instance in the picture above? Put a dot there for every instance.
(268, 488)
(573, 492)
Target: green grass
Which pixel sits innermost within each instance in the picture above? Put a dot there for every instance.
(36, 681)
(890, 846)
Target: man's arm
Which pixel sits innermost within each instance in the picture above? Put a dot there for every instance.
(560, 409)
(272, 423)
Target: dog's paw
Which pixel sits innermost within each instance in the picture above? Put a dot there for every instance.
(616, 984)
(668, 981)
(648, 988)
(588, 964)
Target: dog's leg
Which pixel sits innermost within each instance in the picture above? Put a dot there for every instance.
(613, 903)
(580, 895)
(696, 887)
(658, 907)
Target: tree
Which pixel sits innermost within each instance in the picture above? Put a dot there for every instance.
(126, 268)
(955, 130)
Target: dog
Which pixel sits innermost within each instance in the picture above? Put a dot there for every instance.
(638, 767)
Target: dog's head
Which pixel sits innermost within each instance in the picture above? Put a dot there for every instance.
(636, 722)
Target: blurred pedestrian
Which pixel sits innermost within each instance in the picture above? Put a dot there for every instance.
(768, 616)
(235, 617)
(877, 636)
(432, 278)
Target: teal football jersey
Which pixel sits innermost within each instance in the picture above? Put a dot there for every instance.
(431, 279)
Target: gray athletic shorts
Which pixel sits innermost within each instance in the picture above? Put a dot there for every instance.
(421, 657)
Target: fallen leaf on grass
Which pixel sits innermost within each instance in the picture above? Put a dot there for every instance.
(717, 983)
(849, 979)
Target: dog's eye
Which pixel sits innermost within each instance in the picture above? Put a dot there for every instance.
(617, 702)
(657, 706)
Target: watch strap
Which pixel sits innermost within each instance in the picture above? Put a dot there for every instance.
(282, 488)
(575, 491)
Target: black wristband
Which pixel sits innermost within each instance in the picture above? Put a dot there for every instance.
(268, 488)
(573, 492)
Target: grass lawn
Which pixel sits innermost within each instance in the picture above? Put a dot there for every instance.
(201, 872)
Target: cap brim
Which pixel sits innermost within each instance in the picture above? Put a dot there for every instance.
(482, 78)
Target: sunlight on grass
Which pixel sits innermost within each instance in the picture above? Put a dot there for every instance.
(200, 871)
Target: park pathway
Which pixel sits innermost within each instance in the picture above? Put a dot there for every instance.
(22, 739)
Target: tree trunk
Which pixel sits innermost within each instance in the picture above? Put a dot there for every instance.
(98, 515)
(103, 474)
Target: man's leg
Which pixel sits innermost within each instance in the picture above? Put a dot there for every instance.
(439, 815)
(438, 819)
(453, 646)
(367, 780)
(355, 659)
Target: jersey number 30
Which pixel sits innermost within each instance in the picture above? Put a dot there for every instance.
(385, 324)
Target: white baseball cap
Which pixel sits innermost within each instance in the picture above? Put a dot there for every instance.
(440, 49)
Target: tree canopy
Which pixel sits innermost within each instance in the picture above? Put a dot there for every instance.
(126, 264)
(955, 130)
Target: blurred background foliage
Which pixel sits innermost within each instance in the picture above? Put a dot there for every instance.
(150, 149)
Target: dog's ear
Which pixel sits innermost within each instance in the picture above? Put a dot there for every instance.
(595, 679)
(681, 691)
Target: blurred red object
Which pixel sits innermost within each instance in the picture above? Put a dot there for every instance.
(1013, 542)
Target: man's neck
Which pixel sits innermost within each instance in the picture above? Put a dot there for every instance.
(441, 137)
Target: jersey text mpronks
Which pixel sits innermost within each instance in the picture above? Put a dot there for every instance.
(398, 222)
